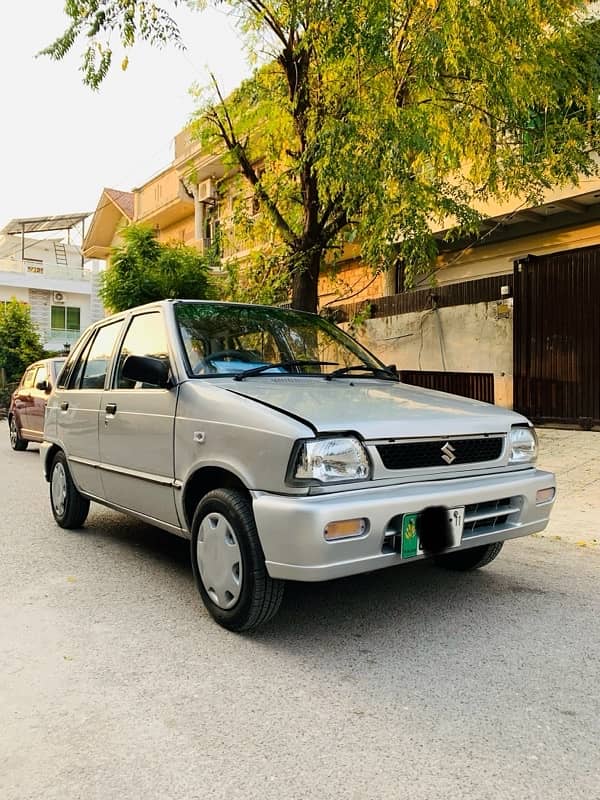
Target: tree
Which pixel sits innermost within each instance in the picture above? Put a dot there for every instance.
(20, 343)
(381, 121)
(143, 269)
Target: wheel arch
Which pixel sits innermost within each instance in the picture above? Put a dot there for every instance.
(204, 480)
(49, 458)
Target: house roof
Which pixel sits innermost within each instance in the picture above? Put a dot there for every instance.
(60, 222)
(115, 208)
(124, 200)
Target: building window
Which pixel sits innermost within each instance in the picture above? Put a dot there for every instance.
(65, 318)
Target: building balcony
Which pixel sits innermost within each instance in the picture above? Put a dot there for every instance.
(61, 335)
(33, 274)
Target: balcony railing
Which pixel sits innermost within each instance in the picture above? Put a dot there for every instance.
(45, 270)
(61, 335)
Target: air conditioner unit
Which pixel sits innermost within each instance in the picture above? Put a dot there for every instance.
(207, 190)
(58, 297)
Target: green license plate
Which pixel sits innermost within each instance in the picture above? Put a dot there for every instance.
(409, 543)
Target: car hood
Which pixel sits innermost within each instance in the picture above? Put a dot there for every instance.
(375, 409)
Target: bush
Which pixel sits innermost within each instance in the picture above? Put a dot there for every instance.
(20, 343)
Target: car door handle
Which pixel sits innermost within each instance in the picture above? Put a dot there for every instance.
(64, 406)
(111, 408)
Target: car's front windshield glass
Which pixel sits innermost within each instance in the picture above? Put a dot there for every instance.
(221, 339)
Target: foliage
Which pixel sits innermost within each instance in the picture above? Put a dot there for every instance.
(143, 269)
(383, 121)
(20, 342)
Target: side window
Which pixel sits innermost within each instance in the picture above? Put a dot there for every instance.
(71, 374)
(145, 336)
(40, 375)
(90, 372)
(28, 378)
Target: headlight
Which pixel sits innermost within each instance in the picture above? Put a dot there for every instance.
(523, 445)
(334, 460)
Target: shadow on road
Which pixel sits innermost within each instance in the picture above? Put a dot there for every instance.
(416, 600)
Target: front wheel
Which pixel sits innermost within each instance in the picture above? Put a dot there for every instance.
(229, 565)
(473, 558)
(15, 437)
(69, 507)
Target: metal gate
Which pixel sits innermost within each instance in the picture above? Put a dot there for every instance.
(557, 337)
(477, 385)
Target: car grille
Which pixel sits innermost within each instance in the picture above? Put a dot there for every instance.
(440, 453)
(491, 515)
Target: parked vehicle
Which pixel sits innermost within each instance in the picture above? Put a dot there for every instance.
(283, 450)
(28, 402)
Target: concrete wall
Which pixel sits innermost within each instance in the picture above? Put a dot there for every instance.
(469, 338)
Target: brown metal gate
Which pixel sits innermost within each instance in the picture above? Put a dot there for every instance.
(477, 385)
(557, 337)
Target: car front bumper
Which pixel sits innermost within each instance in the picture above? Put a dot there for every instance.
(291, 529)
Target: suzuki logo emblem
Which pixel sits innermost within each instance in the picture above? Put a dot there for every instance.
(448, 453)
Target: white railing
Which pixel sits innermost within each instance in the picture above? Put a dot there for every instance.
(46, 270)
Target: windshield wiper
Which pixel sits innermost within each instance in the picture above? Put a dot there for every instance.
(284, 364)
(380, 372)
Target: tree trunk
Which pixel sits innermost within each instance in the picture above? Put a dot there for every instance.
(305, 282)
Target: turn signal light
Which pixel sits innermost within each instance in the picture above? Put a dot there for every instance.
(344, 528)
(545, 495)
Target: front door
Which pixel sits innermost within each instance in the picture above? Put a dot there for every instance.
(39, 398)
(136, 430)
(24, 400)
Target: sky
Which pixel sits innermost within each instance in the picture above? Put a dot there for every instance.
(62, 143)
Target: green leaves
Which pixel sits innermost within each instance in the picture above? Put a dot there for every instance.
(20, 342)
(144, 269)
(391, 122)
(99, 22)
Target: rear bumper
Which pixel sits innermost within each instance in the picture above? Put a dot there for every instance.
(291, 529)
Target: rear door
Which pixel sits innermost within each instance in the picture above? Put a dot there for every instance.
(78, 404)
(136, 429)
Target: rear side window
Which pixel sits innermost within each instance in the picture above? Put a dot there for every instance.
(90, 371)
(55, 368)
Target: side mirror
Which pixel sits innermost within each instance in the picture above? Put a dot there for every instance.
(147, 369)
(392, 368)
(43, 386)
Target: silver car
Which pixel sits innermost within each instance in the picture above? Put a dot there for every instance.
(283, 450)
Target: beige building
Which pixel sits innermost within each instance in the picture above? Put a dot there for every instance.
(459, 319)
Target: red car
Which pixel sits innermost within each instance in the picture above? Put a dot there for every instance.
(28, 402)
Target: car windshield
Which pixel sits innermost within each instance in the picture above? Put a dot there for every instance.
(221, 339)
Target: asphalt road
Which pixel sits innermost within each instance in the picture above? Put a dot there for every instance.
(409, 683)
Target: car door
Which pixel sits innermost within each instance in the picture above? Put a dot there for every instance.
(77, 405)
(39, 400)
(136, 429)
(24, 400)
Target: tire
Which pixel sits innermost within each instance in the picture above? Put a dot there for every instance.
(229, 565)
(69, 507)
(473, 558)
(15, 437)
